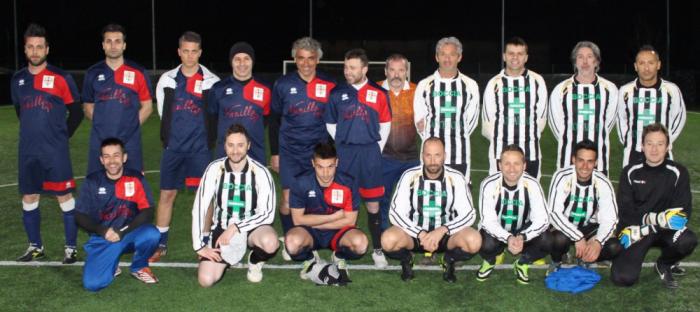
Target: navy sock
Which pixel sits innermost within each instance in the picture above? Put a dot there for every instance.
(32, 225)
(287, 222)
(375, 229)
(303, 255)
(70, 228)
(163, 242)
(344, 252)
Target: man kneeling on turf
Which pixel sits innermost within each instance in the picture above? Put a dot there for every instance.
(655, 203)
(583, 210)
(431, 212)
(243, 195)
(513, 214)
(324, 207)
(115, 207)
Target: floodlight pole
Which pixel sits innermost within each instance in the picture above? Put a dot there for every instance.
(311, 18)
(503, 31)
(14, 16)
(153, 33)
(668, 39)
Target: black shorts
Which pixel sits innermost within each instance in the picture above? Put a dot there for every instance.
(442, 245)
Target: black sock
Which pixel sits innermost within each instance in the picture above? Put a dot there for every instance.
(260, 255)
(401, 254)
(457, 254)
(375, 229)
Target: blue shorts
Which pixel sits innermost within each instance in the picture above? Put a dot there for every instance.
(178, 170)
(292, 166)
(364, 163)
(326, 239)
(46, 174)
(134, 159)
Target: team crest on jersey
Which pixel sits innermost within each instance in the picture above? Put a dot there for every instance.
(321, 90)
(47, 82)
(21, 82)
(344, 97)
(101, 77)
(337, 197)
(229, 91)
(198, 86)
(258, 93)
(312, 193)
(101, 191)
(293, 91)
(371, 96)
(129, 77)
(129, 189)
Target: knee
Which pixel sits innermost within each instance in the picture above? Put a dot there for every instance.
(293, 243)
(623, 279)
(613, 247)
(150, 233)
(559, 241)
(687, 242)
(94, 284)
(472, 241)
(207, 280)
(359, 243)
(269, 243)
(389, 241)
(488, 243)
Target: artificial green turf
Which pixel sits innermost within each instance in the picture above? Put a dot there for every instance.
(59, 288)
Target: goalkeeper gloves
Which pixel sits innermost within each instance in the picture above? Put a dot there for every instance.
(634, 233)
(672, 219)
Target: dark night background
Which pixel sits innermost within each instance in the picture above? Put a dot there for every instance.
(381, 27)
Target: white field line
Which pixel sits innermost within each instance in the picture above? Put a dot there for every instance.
(359, 267)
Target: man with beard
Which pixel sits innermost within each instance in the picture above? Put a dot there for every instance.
(117, 98)
(241, 192)
(583, 107)
(115, 207)
(358, 117)
(432, 212)
(42, 95)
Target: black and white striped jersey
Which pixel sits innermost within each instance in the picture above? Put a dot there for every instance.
(575, 204)
(449, 108)
(245, 199)
(507, 211)
(422, 204)
(580, 111)
(639, 106)
(514, 112)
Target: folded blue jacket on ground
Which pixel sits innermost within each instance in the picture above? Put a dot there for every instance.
(573, 280)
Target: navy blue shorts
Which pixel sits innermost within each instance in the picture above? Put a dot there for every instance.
(46, 174)
(364, 163)
(292, 166)
(178, 170)
(326, 239)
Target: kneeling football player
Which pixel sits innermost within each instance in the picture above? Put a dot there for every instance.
(324, 208)
(513, 215)
(431, 212)
(243, 195)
